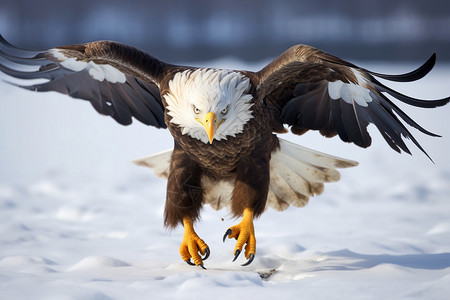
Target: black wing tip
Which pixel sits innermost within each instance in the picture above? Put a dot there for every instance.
(409, 152)
(414, 75)
(430, 63)
(7, 44)
(410, 100)
(432, 58)
(16, 50)
(422, 149)
(4, 41)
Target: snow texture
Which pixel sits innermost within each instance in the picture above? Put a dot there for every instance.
(79, 221)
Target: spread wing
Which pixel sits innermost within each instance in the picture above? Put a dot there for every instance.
(311, 90)
(118, 80)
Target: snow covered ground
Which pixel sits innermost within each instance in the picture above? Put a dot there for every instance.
(79, 221)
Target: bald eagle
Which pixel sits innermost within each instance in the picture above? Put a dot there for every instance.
(225, 123)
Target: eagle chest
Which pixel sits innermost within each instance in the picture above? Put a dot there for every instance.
(221, 158)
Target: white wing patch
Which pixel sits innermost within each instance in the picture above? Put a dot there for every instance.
(98, 72)
(350, 92)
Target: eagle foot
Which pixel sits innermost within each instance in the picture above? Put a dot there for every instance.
(193, 246)
(244, 233)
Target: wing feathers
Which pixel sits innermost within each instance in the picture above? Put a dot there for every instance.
(28, 61)
(389, 126)
(51, 72)
(119, 80)
(309, 89)
(409, 100)
(336, 110)
(352, 125)
(16, 51)
(411, 76)
(389, 105)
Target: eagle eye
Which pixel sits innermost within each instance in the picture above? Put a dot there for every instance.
(196, 110)
(225, 110)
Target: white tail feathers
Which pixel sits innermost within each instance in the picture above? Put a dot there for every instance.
(296, 173)
(159, 163)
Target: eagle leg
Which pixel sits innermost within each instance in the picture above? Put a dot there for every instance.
(192, 245)
(244, 233)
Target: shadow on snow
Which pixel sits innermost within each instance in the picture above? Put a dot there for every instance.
(425, 261)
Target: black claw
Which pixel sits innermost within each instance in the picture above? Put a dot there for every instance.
(189, 262)
(229, 231)
(207, 253)
(236, 254)
(250, 259)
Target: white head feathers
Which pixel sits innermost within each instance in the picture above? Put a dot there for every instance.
(195, 93)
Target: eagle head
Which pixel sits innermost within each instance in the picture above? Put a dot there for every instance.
(209, 104)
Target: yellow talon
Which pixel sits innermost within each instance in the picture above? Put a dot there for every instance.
(244, 232)
(192, 245)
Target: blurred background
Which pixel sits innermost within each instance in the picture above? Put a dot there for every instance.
(179, 31)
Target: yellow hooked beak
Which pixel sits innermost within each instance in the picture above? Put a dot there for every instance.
(210, 125)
